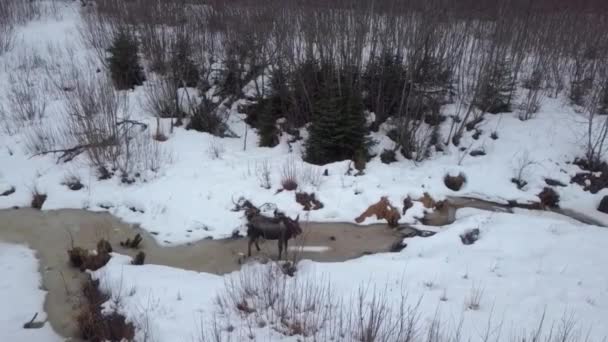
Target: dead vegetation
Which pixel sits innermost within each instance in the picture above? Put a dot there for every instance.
(383, 210)
(38, 199)
(90, 260)
(308, 201)
(132, 243)
(95, 326)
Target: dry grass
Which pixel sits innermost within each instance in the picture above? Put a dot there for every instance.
(38, 199)
(289, 175)
(93, 325)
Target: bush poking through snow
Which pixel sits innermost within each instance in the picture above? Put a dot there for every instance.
(72, 182)
(308, 201)
(262, 171)
(454, 183)
(132, 243)
(38, 199)
(139, 258)
(388, 156)
(549, 198)
(93, 324)
(216, 149)
(86, 260)
(474, 300)
(289, 175)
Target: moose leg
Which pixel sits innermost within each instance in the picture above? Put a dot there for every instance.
(251, 240)
(286, 249)
(280, 248)
(256, 245)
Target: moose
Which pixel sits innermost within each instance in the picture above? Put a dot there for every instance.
(280, 227)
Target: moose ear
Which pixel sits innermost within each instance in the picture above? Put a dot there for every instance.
(298, 218)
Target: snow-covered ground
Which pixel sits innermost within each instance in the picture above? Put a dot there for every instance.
(21, 296)
(522, 266)
(190, 196)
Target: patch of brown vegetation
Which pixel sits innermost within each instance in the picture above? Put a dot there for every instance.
(308, 201)
(383, 210)
(93, 325)
(38, 199)
(427, 201)
(454, 183)
(86, 260)
(139, 259)
(132, 243)
(407, 204)
(549, 198)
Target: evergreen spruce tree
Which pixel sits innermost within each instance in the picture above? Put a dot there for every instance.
(125, 69)
(269, 134)
(496, 88)
(337, 131)
(184, 70)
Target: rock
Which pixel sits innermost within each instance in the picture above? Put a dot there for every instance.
(407, 204)
(469, 237)
(603, 207)
(554, 182)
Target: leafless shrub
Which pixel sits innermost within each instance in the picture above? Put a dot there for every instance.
(7, 34)
(263, 171)
(473, 301)
(38, 198)
(26, 100)
(312, 175)
(289, 175)
(289, 305)
(522, 165)
(162, 99)
(216, 149)
(41, 137)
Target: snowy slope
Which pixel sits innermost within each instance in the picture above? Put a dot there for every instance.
(522, 265)
(21, 296)
(190, 196)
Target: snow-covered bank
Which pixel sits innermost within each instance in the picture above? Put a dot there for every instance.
(522, 266)
(21, 296)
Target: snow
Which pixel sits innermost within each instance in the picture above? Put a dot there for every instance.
(190, 196)
(21, 296)
(524, 265)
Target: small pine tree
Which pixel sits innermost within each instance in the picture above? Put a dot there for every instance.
(125, 69)
(269, 134)
(184, 70)
(496, 88)
(338, 131)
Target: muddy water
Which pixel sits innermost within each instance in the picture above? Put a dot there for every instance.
(51, 233)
